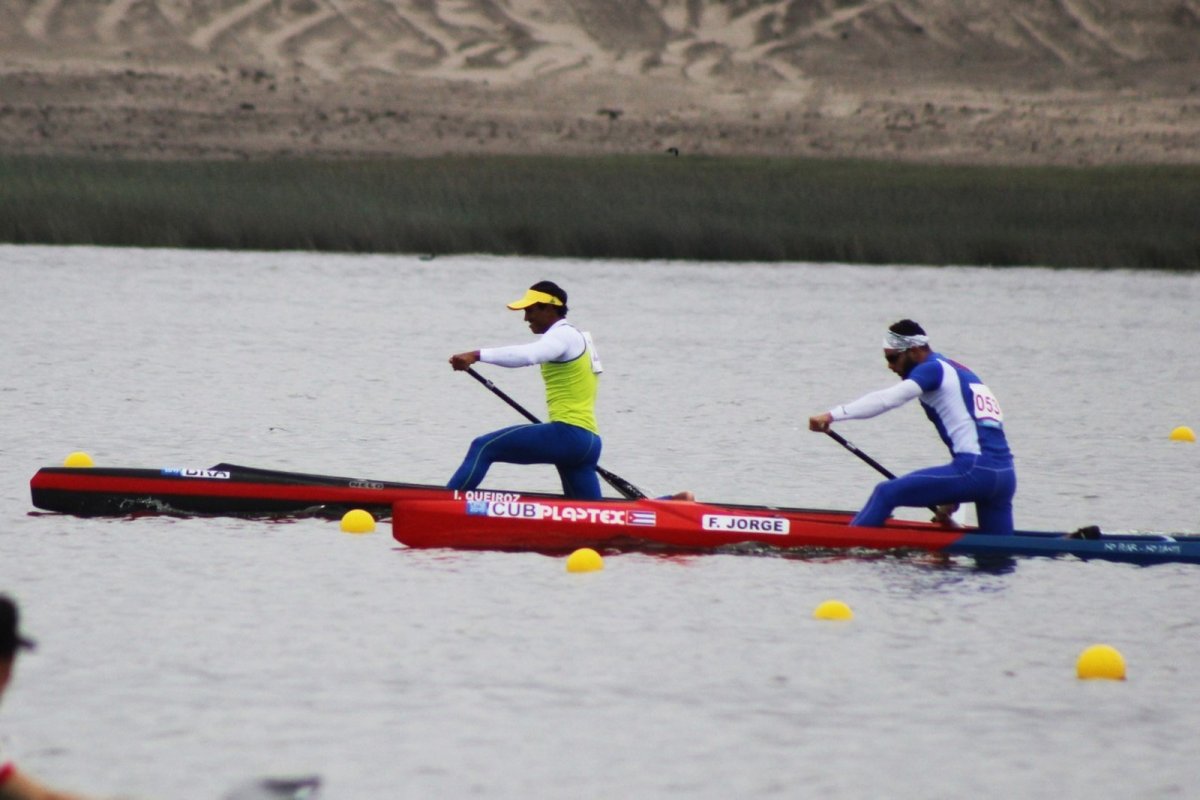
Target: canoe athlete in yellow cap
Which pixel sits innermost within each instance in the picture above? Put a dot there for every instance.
(571, 369)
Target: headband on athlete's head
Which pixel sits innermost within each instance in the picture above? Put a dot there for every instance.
(532, 297)
(898, 341)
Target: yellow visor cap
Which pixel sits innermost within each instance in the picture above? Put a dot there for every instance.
(533, 297)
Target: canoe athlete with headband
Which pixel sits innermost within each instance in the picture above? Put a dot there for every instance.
(571, 370)
(967, 417)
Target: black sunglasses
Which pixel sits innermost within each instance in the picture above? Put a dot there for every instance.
(892, 358)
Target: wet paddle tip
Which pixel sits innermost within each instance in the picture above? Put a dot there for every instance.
(301, 787)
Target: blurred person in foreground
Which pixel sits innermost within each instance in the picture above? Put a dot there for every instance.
(14, 783)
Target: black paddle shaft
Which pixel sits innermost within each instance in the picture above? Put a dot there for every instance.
(837, 437)
(623, 486)
(853, 448)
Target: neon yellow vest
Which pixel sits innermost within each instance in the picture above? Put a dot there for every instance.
(571, 391)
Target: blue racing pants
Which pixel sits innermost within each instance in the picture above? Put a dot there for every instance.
(572, 449)
(987, 483)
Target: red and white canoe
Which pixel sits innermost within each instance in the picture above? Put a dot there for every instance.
(509, 521)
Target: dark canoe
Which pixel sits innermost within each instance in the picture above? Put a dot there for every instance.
(220, 490)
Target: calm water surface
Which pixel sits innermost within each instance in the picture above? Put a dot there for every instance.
(181, 657)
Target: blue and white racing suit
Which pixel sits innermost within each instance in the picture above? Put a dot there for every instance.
(968, 418)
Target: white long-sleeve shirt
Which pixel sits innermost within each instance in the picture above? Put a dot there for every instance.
(962, 408)
(875, 403)
(562, 342)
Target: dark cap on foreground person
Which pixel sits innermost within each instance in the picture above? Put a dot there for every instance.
(11, 639)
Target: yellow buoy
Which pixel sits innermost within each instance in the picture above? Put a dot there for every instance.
(585, 559)
(1101, 661)
(358, 521)
(78, 459)
(833, 609)
(1183, 434)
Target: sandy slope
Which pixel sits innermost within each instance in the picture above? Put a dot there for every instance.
(1009, 81)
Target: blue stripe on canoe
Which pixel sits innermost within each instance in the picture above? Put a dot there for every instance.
(1136, 549)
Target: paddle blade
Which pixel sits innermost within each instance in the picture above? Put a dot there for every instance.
(627, 489)
(305, 787)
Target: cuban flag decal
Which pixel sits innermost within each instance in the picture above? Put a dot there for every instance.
(643, 518)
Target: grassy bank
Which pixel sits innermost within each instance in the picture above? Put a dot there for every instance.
(633, 207)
